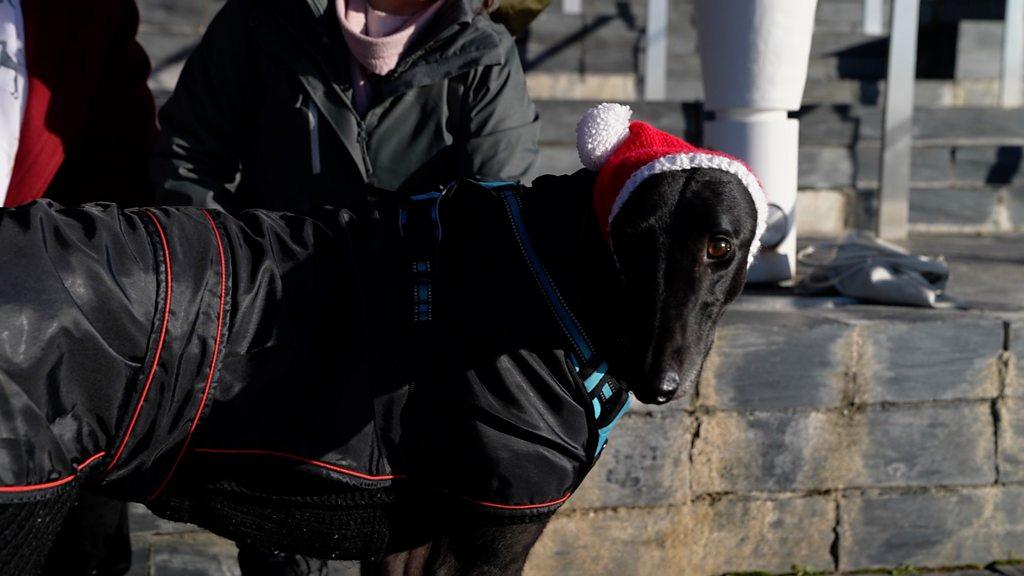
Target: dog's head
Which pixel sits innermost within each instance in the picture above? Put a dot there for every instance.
(682, 240)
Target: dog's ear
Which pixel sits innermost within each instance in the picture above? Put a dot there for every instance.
(650, 204)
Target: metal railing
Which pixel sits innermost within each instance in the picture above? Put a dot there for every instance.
(897, 134)
(898, 122)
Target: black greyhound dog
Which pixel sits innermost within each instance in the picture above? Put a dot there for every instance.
(217, 368)
(681, 247)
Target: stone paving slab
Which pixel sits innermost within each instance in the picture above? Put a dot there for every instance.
(739, 534)
(751, 366)
(623, 542)
(857, 355)
(957, 357)
(1014, 200)
(646, 463)
(955, 126)
(706, 537)
(827, 167)
(931, 528)
(1015, 379)
(1008, 569)
(831, 125)
(953, 208)
(204, 555)
(987, 164)
(929, 165)
(1011, 440)
(944, 444)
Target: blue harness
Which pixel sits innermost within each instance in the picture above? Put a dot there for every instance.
(608, 399)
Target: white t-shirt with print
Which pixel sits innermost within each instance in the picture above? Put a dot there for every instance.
(13, 87)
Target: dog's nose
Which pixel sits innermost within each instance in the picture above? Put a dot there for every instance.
(668, 387)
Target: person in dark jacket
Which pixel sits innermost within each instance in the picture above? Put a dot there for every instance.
(264, 113)
(292, 105)
(77, 124)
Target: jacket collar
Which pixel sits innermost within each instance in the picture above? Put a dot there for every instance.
(449, 45)
(307, 36)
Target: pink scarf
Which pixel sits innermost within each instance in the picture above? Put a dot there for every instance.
(376, 41)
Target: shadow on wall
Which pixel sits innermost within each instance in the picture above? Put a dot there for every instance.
(1006, 165)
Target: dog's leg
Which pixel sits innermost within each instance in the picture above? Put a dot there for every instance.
(405, 563)
(477, 550)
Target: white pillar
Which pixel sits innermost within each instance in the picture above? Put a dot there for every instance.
(754, 56)
(656, 50)
(1013, 55)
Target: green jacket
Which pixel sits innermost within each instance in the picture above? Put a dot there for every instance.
(267, 95)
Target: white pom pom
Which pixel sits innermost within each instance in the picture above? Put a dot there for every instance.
(600, 132)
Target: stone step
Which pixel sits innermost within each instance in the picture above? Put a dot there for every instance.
(946, 210)
(559, 118)
(928, 93)
(954, 127)
(828, 207)
(820, 125)
(688, 87)
(611, 43)
(963, 182)
(960, 166)
(832, 15)
(554, 26)
(954, 146)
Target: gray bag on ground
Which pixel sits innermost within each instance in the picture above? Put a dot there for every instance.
(864, 267)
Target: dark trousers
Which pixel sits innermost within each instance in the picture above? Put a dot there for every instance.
(93, 540)
(259, 562)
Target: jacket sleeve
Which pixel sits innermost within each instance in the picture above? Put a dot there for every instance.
(503, 124)
(198, 155)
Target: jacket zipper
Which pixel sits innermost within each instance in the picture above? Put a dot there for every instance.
(314, 135)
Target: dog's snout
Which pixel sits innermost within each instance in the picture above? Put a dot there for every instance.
(667, 387)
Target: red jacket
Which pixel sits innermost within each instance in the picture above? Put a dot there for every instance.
(90, 121)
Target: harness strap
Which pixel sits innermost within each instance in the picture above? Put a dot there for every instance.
(418, 225)
(609, 399)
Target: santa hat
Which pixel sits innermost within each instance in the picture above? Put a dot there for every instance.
(625, 153)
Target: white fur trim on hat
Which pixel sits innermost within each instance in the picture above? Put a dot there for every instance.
(600, 131)
(688, 160)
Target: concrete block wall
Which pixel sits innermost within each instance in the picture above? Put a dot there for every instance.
(835, 440)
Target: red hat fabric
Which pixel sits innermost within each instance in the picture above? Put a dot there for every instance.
(625, 153)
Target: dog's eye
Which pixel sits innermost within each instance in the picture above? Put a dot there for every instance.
(719, 248)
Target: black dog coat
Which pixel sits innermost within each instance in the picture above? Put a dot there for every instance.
(305, 384)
